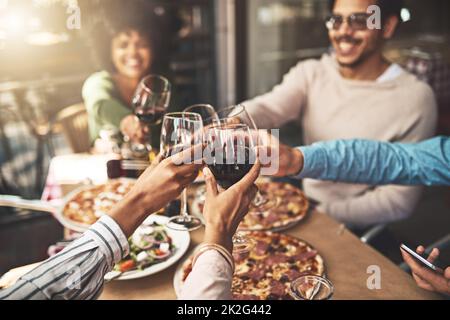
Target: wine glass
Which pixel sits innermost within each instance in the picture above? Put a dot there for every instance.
(238, 114)
(150, 102)
(180, 131)
(206, 111)
(209, 115)
(230, 154)
(311, 287)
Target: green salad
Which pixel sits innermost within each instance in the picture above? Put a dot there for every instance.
(150, 244)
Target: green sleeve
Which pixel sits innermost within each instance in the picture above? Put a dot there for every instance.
(103, 107)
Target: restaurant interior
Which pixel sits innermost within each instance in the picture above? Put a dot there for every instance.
(216, 52)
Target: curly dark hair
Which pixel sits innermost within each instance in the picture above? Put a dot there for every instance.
(104, 20)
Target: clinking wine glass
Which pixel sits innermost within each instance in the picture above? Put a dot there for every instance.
(180, 131)
(238, 114)
(230, 154)
(150, 103)
(206, 111)
(209, 116)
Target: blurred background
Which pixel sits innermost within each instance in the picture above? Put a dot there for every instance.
(216, 51)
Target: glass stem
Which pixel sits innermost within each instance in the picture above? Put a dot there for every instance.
(238, 238)
(148, 136)
(183, 209)
(259, 200)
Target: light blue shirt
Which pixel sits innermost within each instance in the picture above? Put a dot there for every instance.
(379, 163)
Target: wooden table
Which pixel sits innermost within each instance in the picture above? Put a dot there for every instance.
(346, 258)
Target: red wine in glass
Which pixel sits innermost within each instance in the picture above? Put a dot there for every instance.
(230, 155)
(151, 117)
(150, 101)
(229, 171)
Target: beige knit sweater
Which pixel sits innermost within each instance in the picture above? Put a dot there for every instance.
(331, 107)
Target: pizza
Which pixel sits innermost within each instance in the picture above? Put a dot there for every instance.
(290, 205)
(266, 272)
(88, 205)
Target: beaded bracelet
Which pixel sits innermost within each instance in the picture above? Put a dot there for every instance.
(213, 246)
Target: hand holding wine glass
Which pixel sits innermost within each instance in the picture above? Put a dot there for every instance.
(230, 155)
(239, 115)
(150, 102)
(151, 99)
(181, 131)
(283, 160)
(133, 129)
(224, 210)
(160, 183)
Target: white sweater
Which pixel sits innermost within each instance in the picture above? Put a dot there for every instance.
(331, 107)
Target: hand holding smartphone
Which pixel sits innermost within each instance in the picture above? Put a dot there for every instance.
(423, 261)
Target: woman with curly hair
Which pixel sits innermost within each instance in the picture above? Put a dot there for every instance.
(126, 47)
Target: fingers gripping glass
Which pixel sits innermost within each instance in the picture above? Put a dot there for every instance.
(150, 102)
(356, 21)
(239, 114)
(230, 155)
(180, 131)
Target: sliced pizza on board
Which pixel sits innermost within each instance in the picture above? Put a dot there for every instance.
(266, 272)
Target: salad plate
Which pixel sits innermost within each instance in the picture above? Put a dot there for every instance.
(153, 248)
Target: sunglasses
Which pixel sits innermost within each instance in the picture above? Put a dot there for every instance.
(356, 21)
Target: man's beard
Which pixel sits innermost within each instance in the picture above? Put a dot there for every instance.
(352, 65)
(363, 57)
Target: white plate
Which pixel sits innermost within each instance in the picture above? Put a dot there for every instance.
(180, 239)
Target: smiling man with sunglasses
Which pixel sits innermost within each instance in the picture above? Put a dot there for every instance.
(358, 47)
(354, 92)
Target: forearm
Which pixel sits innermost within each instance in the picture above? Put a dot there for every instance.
(211, 275)
(267, 111)
(77, 272)
(132, 211)
(283, 103)
(371, 162)
(218, 236)
(210, 279)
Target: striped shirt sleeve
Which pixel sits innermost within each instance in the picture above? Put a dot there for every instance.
(77, 272)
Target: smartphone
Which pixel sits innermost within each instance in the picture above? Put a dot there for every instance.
(420, 259)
